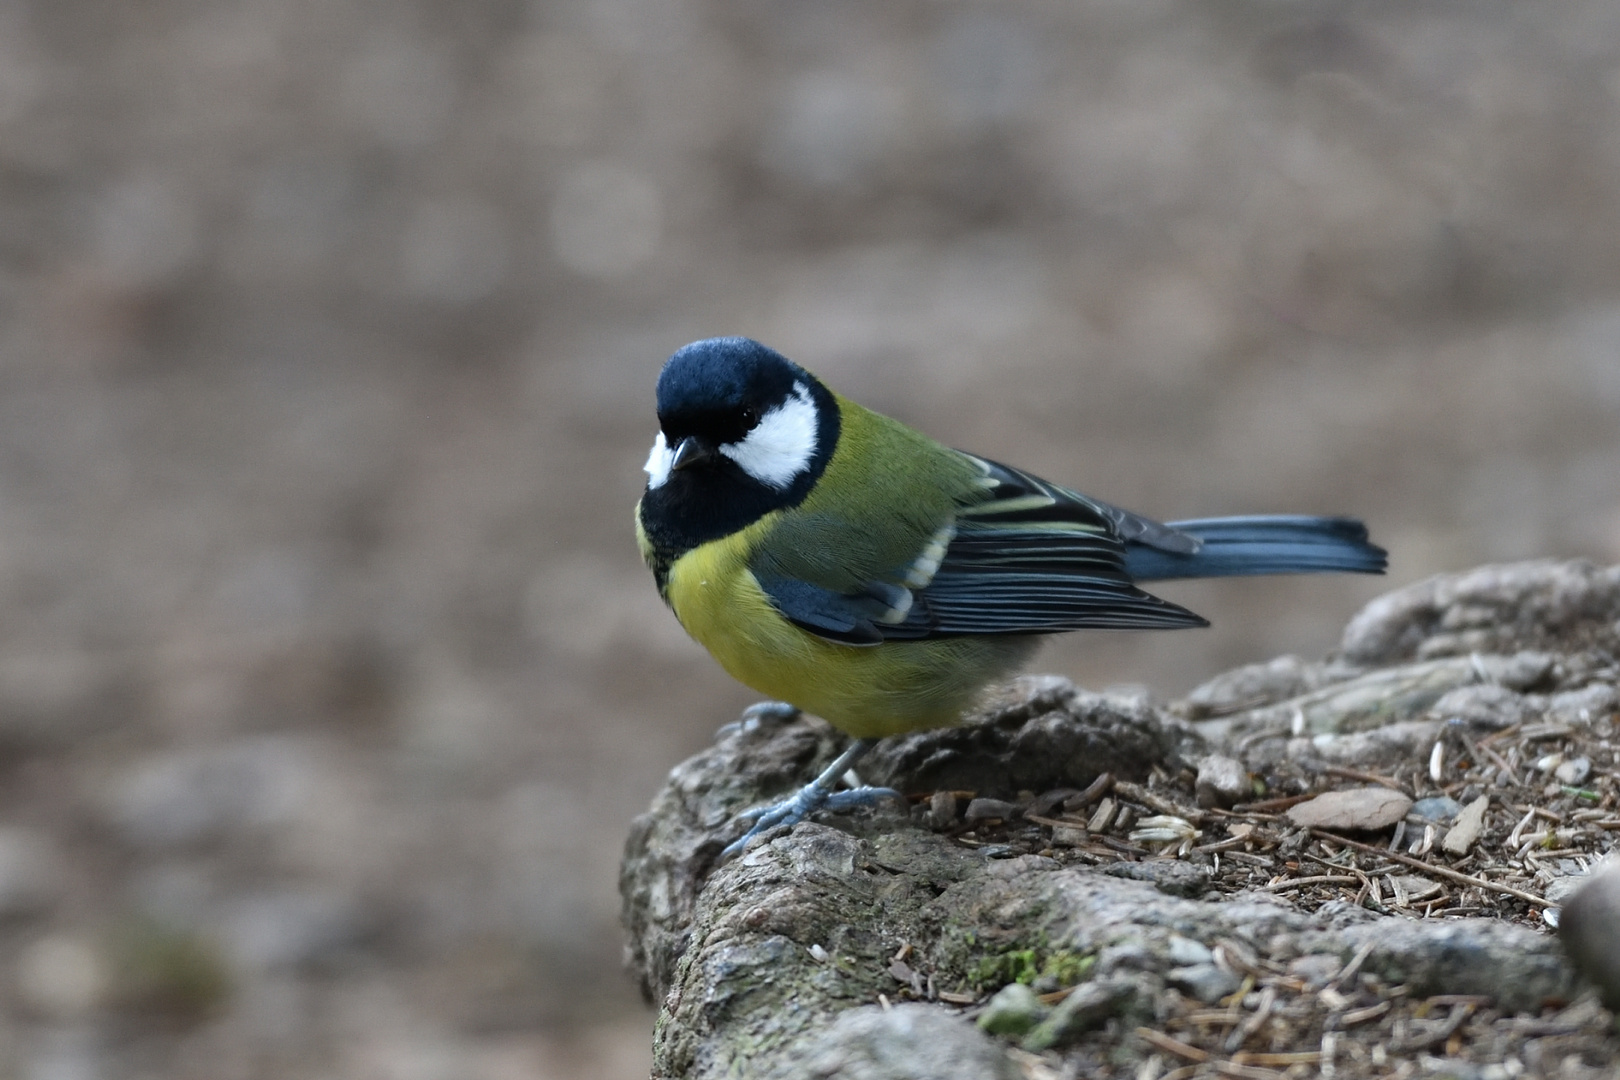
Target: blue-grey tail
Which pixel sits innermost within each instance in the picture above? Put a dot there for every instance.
(1234, 546)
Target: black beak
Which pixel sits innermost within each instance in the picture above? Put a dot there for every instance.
(691, 451)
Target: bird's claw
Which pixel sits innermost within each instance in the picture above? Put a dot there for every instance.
(757, 716)
(806, 801)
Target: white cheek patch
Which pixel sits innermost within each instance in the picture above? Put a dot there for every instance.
(782, 444)
(659, 462)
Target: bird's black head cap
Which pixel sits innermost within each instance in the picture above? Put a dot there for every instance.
(743, 431)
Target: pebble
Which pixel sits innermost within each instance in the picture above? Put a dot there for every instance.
(1437, 808)
(1587, 927)
(1366, 809)
(942, 810)
(1184, 952)
(988, 809)
(1222, 781)
(1469, 825)
(1206, 982)
(1574, 771)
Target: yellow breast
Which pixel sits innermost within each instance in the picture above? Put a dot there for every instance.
(867, 691)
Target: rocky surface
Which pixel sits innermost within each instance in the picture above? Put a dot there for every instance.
(1126, 943)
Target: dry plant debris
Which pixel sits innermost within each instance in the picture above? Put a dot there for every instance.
(1489, 831)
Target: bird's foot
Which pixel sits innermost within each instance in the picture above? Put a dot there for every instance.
(758, 715)
(806, 801)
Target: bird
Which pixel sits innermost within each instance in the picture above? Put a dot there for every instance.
(851, 567)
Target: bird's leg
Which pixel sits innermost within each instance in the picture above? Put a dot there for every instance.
(818, 794)
(757, 716)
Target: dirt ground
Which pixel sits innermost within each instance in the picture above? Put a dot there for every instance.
(329, 678)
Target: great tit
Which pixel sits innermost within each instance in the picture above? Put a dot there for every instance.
(853, 568)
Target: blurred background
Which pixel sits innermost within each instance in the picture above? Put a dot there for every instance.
(329, 677)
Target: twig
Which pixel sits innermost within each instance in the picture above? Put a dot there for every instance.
(1367, 777)
(1172, 1045)
(1318, 879)
(1442, 871)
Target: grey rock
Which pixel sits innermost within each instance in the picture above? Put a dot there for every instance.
(1170, 876)
(1396, 743)
(1368, 700)
(1186, 951)
(1035, 736)
(991, 809)
(906, 1042)
(1222, 781)
(1086, 1008)
(1249, 687)
(727, 948)
(1515, 967)
(1589, 927)
(1583, 707)
(1206, 982)
(1014, 1010)
(1485, 706)
(1539, 604)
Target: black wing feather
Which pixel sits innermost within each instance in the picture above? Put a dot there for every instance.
(1028, 558)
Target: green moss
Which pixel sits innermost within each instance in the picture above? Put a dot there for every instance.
(1027, 965)
(1068, 968)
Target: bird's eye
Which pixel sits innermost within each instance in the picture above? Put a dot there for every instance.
(750, 416)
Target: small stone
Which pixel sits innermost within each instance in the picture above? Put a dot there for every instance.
(1470, 824)
(1044, 804)
(991, 810)
(1365, 809)
(1206, 982)
(1086, 1008)
(1184, 952)
(942, 810)
(1222, 781)
(1013, 1011)
(1437, 808)
(1587, 929)
(1069, 836)
(1574, 771)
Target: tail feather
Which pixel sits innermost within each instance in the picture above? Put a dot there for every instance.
(1234, 546)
